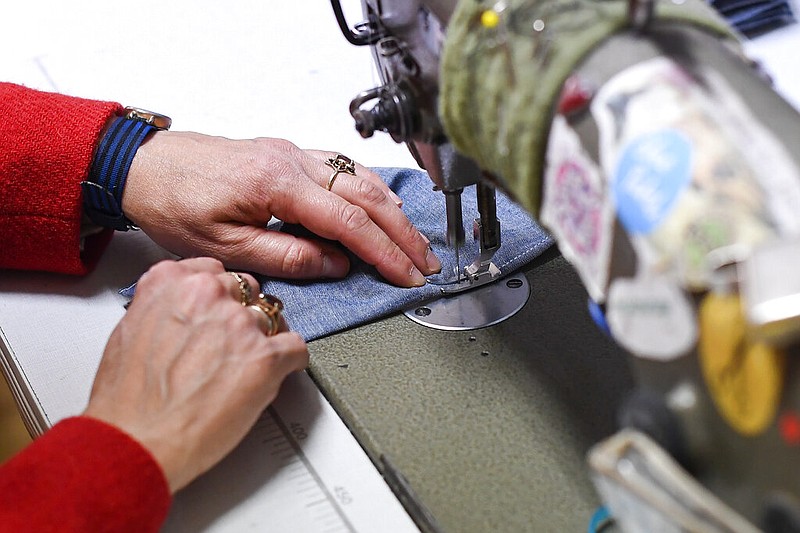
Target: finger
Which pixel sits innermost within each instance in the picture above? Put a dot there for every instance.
(268, 325)
(359, 190)
(274, 253)
(390, 220)
(265, 326)
(331, 217)
(394, 247)
(242, 286)
(293, 350)
(264, 322)
(267, 309)
(361, 170)
(278, 356)
(202, 264)
(375, 178)
(167, 271)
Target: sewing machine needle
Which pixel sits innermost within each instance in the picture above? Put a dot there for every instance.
(457, 266)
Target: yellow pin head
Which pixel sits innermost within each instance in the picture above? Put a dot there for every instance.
(490, 18)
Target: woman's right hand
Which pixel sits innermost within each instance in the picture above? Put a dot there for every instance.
(189, 369)
(198, 195)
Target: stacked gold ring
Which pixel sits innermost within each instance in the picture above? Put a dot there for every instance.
(246, 293)
(271, 307)
(268, 305)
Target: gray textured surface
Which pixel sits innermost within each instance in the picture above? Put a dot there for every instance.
(486, 442)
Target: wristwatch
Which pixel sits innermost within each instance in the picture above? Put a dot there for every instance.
(103, 188)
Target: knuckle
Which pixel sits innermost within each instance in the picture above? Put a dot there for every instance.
(275, 156)
(273, 166)
(395, 256)
(160, 271)
(239, 321)
(282, 360)
(165, 267)
(277, 357)
(369, 193)
(273, 361)
(410, 234)
(267, 364)
(390, 256)
(355, 218)
(297, 260)
(251, 281)
(213, 263)
(293, 343)
(277, 144)
(204, 286)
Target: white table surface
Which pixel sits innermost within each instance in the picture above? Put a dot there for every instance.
(237, 69)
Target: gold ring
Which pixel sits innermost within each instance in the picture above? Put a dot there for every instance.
(340, 164)
(271, 307)
(246, 293)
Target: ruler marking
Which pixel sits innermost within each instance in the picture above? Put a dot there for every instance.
(302, 457)
(316, 502)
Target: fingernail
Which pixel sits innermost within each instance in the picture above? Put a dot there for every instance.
(397, 200)
(425, 238)
(432, 262)
(417, 279)
(334, 266)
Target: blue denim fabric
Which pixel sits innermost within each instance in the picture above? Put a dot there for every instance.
(319, 308)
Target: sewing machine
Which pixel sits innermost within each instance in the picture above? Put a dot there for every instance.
(405, 107)
(667, 169)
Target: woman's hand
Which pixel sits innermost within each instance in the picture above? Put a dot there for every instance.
(189, 369)
(200, 195)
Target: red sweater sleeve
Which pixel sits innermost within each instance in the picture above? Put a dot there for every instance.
(83, 476)
(47, 142)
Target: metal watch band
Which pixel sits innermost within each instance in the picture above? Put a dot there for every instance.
(102, 191)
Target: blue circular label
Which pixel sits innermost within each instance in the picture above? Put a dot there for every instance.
(652, 172)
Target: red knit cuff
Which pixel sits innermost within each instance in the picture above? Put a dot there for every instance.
(47, 142)
(83, 475)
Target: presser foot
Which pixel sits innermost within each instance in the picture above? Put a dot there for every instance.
(487, 304)
(473, 276)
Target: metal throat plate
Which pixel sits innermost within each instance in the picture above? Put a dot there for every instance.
(484, 306)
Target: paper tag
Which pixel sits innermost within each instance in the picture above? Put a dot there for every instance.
(691, 168)
(576, 208)
(651, 318)
(652, 172)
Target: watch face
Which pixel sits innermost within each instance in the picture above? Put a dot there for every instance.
(157, 120)
(744, 378)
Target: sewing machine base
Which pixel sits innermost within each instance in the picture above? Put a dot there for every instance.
(488, 429)
(484, 306)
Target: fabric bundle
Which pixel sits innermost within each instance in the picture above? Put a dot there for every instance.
(322, 307)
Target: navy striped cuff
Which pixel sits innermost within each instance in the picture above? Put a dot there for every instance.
(102, 192)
